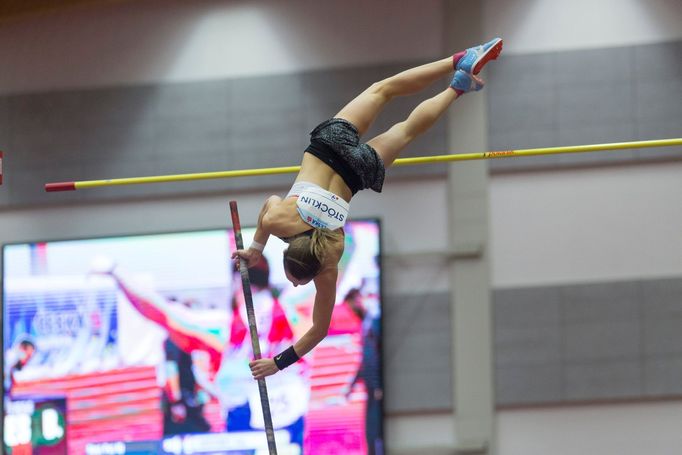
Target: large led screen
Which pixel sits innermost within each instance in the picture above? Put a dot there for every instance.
(140, 345)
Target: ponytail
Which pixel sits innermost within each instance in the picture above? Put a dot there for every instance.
(320, 242)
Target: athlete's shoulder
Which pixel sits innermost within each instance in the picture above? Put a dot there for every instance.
(281, 218)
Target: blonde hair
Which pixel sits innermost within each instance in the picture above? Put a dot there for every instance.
(306, 253)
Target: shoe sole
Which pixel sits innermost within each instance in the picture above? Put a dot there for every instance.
(490, 54)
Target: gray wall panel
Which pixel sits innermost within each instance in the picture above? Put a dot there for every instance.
(280, 92)
(266, 140)
(603, 302)
(662, 317)
(191, 99)
(661, 128)
(600, 341)
(662, 336)
(523, 139)
(513, 111)
(658, 98)
(416, 391)
(603, 380)
(528, 384)
(536, 100)
(27, 182)
(187, 127)
(589, 66)
(417, 340)
(119, 142)
(585, 97)
(521, 74)
(528, 346)
(662, 298)
(594, 134)
(527, 308)
(193, 136)
(664, 58)
(602, 103)
(662, 375)
(659, 110)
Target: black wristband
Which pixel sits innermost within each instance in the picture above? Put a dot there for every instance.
(286, 358)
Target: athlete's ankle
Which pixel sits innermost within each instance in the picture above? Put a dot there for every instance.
(463, 82)
(456, 58)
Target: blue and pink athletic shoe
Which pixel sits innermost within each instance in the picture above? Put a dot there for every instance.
(475, 58)
(464, 82)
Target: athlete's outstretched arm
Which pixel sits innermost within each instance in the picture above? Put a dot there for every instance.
(325, 297)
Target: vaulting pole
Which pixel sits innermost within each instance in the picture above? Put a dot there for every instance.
(70, 186)
(246, 285)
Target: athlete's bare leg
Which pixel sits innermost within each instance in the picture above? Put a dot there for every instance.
(364, 108)
(389, 144)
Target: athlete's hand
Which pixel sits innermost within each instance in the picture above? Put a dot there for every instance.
(251, 256)
(262, 368)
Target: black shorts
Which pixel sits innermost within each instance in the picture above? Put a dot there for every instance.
(337, 143)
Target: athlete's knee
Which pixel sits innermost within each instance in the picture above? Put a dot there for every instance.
(409, 131)
(382, 89)
(403, 133)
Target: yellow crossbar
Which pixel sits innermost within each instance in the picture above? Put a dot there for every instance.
(67, 186)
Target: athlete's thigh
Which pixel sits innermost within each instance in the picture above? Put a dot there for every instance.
(389, 144)
(363, 109)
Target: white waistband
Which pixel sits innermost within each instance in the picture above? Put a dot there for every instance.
(322, 209)
(298, 187)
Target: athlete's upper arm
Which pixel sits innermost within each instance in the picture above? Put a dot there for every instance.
(268, 216)
(325, 284)
(325, 298)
